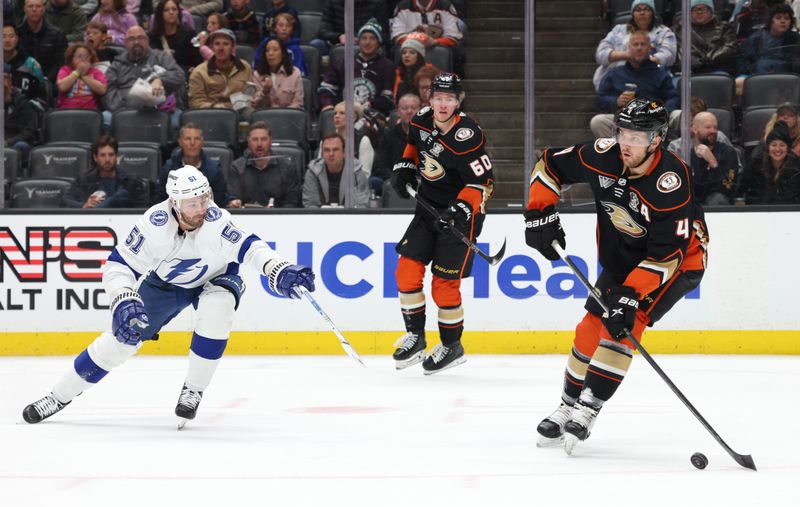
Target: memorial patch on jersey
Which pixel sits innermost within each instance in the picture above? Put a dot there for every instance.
(668, 182)
(213, 214)
(604, 144)
(622, 220)
(463, 134)
(159, 218)
(605, 181)
(634, 202)
(437, 149)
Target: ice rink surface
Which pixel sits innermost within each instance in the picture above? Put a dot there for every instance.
(322, 431)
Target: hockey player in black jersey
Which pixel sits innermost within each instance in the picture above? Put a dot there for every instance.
(651, 238)
(446, 148)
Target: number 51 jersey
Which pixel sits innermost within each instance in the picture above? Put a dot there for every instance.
(450, 163)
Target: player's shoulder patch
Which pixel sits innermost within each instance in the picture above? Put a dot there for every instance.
(463, 134)
(604, 144)
(668, 182)
(213, 214)
(159, 218)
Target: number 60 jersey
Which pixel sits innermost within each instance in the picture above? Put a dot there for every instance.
(184, 259)
(450, 163)
(648, 227)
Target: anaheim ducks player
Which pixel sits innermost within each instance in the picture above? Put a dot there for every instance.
(651, 239)
(445, 147)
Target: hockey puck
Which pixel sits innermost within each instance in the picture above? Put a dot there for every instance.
(699, 460)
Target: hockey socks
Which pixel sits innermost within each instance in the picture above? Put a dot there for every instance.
(574, 376)
(204, 356)
(412, 305)
(451, 325)
(606, 371)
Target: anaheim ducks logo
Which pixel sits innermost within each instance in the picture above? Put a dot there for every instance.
(431, 170)
(622, 220)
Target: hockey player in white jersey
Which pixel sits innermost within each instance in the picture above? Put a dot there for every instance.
(183, 251)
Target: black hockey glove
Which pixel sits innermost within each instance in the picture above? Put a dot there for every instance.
(622, 304)
(457, 215)
(404, 172)
(541, 228)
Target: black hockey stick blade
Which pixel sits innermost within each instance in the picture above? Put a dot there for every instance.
(491, 259)
(745, 461)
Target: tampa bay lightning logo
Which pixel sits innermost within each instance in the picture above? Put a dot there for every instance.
(213, 214)
(159, 218)
(185, 271)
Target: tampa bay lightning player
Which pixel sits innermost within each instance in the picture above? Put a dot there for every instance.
(182, 251)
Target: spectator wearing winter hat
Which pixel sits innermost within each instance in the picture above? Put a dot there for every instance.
(787, 113)
(412, 58)
(331, 30)
(374, 74)
(613, 49)
(714, 43)
(216, 82)
(774, 178)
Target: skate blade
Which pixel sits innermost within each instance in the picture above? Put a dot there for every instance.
(411, 361)
(549, 442)
(570, 441)
(460, 360)
(181, 423)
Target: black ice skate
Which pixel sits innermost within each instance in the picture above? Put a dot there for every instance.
(40, 410)
(579, 426)
(442, 358)
(551, 429)
(187, 405)
(410, 350)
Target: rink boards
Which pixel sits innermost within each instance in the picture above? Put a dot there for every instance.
(52, 301)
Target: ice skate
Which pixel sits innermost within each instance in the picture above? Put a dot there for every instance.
(551, 429)
(442, 358)
(188, 402)
(410, 350)
(579, 426)
(41, 409)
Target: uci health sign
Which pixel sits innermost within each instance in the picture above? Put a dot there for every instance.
(50, 274)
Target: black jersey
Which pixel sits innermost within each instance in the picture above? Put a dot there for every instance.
(648, 227)
(454, 165)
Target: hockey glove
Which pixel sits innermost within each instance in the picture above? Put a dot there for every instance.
(541, 228)
(622, 304)
(129, 318)
(458, 215)
(288, 276)
(404, 172)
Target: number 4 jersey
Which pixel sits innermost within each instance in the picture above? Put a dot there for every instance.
(454, 165)
(649, 226)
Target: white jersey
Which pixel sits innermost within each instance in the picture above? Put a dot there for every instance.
(188, 259)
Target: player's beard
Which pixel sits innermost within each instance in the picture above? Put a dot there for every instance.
(191, 223)
(636, 162)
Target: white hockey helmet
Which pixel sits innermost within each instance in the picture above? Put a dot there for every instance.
(187, 183)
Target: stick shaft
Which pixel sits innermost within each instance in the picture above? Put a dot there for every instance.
(342, 340)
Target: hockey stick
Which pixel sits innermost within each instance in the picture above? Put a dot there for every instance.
(491, 259)
(302, 291)
(743, 460)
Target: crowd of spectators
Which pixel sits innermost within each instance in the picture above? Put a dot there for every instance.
(182, 55)
(641, 57)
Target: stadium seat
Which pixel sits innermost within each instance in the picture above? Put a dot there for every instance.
(58, 161)
(285, 124)
(38, 193)
(310, 21)
(140, 126)
(295, 154)
(753, 123)
(725, 120)
(246, 53)
(199, 22)
(337, 52)
(12, 161)
(308, 96)
(392, 200)
(221, 154)
(763, 90)
(261, 6)
(72, 126)
(311, 55)
(716, 90)
(304, 6)
(326, 123)
(219, 126)
(142, 161)
(440, 57)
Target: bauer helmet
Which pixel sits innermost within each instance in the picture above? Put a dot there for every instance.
(187, 183)
(643, 115)
(447, 82)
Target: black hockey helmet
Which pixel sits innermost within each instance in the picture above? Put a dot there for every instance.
(447, 82)
(644, 115)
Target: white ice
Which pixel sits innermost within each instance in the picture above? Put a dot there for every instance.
(323, 431)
